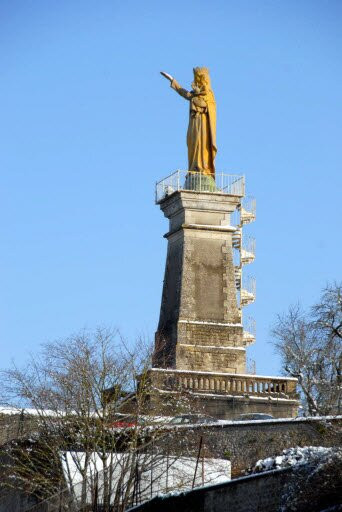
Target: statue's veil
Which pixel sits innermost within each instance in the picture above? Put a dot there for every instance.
(210, 99)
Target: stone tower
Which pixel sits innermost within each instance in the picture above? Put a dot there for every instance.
(200, 343)
(200, 322)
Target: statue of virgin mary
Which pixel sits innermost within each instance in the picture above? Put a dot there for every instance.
(201, 136)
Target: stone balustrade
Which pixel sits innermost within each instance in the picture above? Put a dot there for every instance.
(224, 383)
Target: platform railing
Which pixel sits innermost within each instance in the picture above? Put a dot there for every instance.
(249, 330)
(230, 184)
(220, 383)
(248, 210)
(248, 290)
(247, 250)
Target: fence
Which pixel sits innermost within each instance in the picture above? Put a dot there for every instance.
(232, 184)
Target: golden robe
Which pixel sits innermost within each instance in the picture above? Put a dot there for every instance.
(201, 136)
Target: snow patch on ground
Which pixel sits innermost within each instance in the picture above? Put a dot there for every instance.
(293, 457)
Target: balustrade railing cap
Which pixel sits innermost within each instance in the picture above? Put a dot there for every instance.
(223, 374)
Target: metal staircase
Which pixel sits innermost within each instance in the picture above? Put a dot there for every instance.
(249, 331)
(244, 254)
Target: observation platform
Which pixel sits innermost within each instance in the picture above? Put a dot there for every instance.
(229, 184)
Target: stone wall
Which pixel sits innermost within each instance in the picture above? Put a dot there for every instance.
(216, 335)
(14, 426)
(17, 501)
(209, 271)
(255, 493)
(164, 355)
(230, 407)
(206, 346)
(206, 358)
(245, 443)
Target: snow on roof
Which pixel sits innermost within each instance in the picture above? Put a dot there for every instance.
(27, 410)
(223, 423)
(30, 411)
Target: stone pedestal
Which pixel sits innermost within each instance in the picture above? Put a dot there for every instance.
(200, 323)
(200, 347)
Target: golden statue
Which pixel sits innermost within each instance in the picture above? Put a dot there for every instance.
(201, 136)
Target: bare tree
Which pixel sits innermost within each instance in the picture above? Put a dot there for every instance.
(67, 388)
(83, 448)
(310, 347)
(327, 323)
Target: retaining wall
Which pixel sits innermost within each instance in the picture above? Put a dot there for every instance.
(244, 443)
(261, 492)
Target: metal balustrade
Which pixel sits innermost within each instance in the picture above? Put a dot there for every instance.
(249, 330)
(247, 210)
(248, 290)
(247, 250)
(230, 184)
(232, 384)
(244, 213)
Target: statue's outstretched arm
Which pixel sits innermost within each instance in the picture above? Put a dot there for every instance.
(175, 85)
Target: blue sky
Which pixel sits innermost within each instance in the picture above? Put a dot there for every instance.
(88, 126)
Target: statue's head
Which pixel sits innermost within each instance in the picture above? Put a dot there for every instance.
(201, 77)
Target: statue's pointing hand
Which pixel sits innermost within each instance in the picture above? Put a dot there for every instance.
(169, 77)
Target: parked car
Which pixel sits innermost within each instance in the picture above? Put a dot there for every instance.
(126, 421)
(253, 417)
(191, 419)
